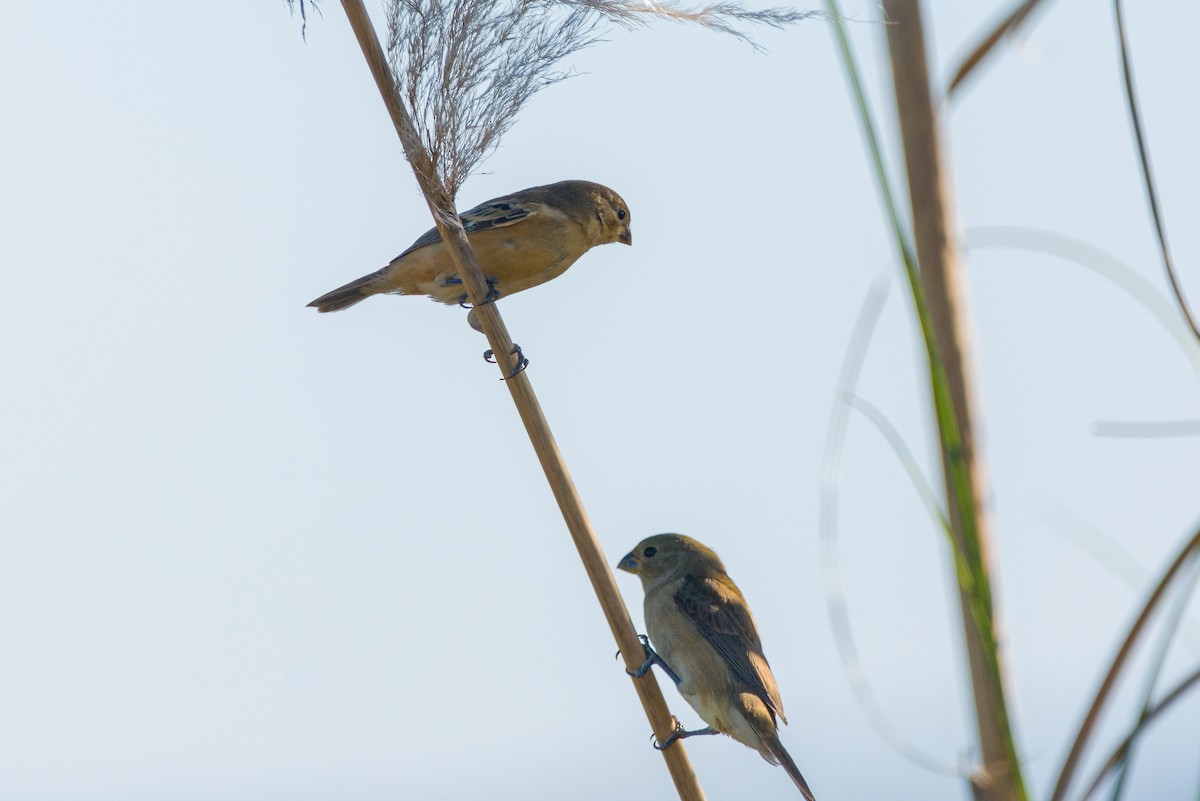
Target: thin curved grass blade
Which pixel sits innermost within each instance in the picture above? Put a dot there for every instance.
(1119, 754)
(1100, 262)
(1135, 117)
(1087, 728)
(1166, 638)
(835, 598)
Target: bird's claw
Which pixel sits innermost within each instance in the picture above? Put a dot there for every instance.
(492, 296)
(489, 356)
(681, 733)
(652, 659)
(675, 734)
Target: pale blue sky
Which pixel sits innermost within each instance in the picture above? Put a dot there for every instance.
(251, 552)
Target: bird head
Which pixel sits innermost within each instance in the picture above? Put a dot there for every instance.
(667, 555)
(611, 212)
(614, 217)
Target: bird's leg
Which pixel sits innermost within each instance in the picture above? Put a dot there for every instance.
(456, 281)
(492, 296)
(680, 733)
(489, 356)
(652, 659)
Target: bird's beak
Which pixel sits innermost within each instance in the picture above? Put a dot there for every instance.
(628, 563)
(626, 237)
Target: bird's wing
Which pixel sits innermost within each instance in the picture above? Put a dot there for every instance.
(721, 615)
(493, 214)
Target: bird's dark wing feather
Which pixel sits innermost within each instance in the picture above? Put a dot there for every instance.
(721, 615)
(493, 214)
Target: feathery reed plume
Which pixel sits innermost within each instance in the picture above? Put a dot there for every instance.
(718, 17)
(466, 68)
(303, 13)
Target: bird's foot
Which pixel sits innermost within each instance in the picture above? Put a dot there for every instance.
(489, 356)
(681, 733)
(652, 659)
(492, 296)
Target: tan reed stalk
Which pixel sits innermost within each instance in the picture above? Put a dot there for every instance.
(938, 249)
(441, 205)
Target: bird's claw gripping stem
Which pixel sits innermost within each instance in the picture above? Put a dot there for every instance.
(493, 294)
(681, 733)
(652, 659)
(489, 356)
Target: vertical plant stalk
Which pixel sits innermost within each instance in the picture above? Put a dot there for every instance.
(441, 205)
(938, 251)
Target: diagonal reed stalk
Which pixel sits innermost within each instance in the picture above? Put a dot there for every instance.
(442, 207)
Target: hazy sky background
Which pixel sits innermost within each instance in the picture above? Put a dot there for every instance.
(252, 552)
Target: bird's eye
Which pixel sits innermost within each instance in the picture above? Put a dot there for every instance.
(649, 552)
(620, 214)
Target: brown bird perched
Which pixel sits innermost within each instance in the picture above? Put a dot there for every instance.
(705, 638)
(521, 240)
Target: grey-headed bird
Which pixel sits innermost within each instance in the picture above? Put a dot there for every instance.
(704, 635)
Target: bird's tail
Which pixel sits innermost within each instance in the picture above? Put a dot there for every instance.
(784, 759)
(346, 296)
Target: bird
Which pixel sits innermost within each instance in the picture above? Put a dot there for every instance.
(521, 240)
(705, 637)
